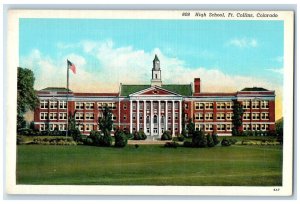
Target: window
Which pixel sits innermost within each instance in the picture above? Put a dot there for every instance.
(124, 117)
(228, 127)
(186, 116)
(89, 106)
(155, 119)
(220, 116)
(133, 116)
(221, 127)
(89, 116)
(53, 127)
(176, 105)
(79, 106)
(246, 104)
(148, 119)
(62, 116)
(229, 105)
(53, 104)
(62, 127)
(141, 116)
(79, 116)
(113, 117)
(44, 116)
(246, 116)
(113, 106)
(169, 106)
(80, 127)
(176, 126)
(148, 130)
(169, 116)
(176, 116)
(246, 127)
(208, 127)
(162, 119)
(52, 116)
(125, 106)
(199, 106)
(209, 106)
(265, 116)
(88, 127)
(148, 106)
(221, 106)
(44, 104)
(199, 116)
(255, 116)
(255, 127)
(229, 116)
(255, 104)
(62, 105)
(186, 106)
(199, 127)
(265, 104)
(42, 127)
(208, 116)
(133, 106)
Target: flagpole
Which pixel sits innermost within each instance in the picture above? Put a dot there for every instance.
(67, 127)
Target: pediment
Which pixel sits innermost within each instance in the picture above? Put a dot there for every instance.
(155, 91)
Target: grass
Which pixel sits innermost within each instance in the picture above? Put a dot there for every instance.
(150, 165)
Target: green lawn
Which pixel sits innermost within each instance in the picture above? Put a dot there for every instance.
(236, 165)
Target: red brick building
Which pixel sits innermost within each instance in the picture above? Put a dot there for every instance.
(157, 107)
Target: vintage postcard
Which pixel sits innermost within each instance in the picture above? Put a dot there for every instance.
(146, 102)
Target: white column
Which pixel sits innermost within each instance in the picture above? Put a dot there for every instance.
(173, 118)
(151, 117)
(166, 115)
(159, 115)
(137, 115)
(145, 127)
(180, 117)
(130, 116)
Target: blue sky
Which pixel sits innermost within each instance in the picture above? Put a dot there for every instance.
(231, 48)
(226, 55)
(222, 44)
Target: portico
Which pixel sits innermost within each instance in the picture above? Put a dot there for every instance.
(154, 113)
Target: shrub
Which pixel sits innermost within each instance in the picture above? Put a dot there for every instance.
(120, 139)
(199, 139)
(232, 141)
(210, 141)
(140, 135)
(188, 144)
(76, 134)
(171, 144)
(106, 139)
(184, 133)
(166, 136)
(95, 137)
(225, 143)
(215, 138)
(180, 138)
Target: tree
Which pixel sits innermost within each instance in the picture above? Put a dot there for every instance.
(73, 129)
(237, 117)
(26, 96)
(215, 138)
(279, 130)
(120, 139)
(191, 128)
(210, 141)
(105, 125)
(199, 139)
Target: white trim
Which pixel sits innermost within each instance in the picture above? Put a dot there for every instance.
(152, 88)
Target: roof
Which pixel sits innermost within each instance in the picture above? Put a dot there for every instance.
(254, 89)
(156, 58)
(214, 94)
(181, 89)
(96, 94)
(56, 89)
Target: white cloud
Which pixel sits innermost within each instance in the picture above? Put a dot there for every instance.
(276, 70)
(132, 66)
(243, 42)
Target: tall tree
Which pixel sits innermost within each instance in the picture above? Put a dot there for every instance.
(238, 112)
(105, 125)
(26, 96)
